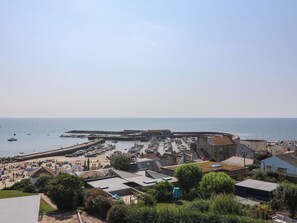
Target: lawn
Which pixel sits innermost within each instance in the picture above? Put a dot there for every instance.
(44, 206)
(13, 193)
(172, 205)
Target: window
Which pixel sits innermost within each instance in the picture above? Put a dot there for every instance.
(268, 168)
(282, 170)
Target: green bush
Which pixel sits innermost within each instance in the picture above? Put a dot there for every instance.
(90, 197)
(192, 194)
(117, 214)
(161, 191)
(200, 205)
(189, 176)
(102, 204)
(24, 185)
(66, 191)
(216, 183)
(120, 162)
(142, 214)
(149, 200)
(226, 204)
(138, 214)
(42, 182)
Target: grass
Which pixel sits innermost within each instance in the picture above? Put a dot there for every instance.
(44, 206)
(13, 193)
(180, 203)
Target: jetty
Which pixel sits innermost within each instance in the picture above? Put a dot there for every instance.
(61, 151)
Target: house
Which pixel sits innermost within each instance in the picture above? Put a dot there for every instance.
(20, 209)
(278, 149)
(126, 183)
(241, 161)
(283, 164)
(92, 174)
(257, 189)
(218, 147)
(257, 145)
(145, 164)
(208, 166)
(38, 172)
(244, 151)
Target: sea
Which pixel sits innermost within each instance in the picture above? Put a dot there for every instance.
(36, 135)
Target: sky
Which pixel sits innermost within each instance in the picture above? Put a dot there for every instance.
(169, 58)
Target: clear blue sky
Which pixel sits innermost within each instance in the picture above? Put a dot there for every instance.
(148, 58)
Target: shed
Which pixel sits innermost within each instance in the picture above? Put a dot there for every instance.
(257, 189)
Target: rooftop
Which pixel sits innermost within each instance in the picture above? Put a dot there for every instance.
(110, 184)
(20, 209)
(219, 141)
(258, 184)
(289, 158)
(208, 166)
(92, 174)
(238, 161)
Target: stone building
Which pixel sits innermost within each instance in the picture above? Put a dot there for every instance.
(218, 147)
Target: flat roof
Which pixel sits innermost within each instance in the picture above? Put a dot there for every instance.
(20, 209)
(209, 166)
(258, 185)
(110, 184)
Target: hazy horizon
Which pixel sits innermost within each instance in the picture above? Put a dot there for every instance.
(155, 59)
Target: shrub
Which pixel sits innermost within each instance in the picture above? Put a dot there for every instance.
(24, 185)
(285, 196)
(226, 204)
(102, 204)
(216, 183)
(66, 191)
(188, 176)
(42, 182)
(142, 214)
(149, 200)
(161, 191)
(117, 214)
(120, 162)
(200, 205)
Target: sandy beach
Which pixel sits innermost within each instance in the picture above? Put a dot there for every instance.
(18, 170)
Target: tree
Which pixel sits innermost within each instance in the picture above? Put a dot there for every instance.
(188, 176)
(24, 185)
(42, 181)
(161, 191)
(103, 204)
(216, 183)
(285, 196)
(120, 162)
(65, 190)
(90, 205)
(117, 213)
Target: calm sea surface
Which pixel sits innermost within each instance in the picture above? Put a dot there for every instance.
(43, 134)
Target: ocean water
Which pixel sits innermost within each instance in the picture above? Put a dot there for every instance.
(36, 135)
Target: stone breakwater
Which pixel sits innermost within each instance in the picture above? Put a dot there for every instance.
(56, 152)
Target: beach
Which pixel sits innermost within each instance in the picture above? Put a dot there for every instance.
(16, 171)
